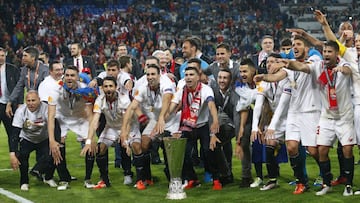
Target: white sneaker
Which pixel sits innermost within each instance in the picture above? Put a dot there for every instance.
(348, 191)
(127, 180)
(63, 185)
(24, 187)
(269, 185)
(50, 182)
(257, 182)
(357, 192)
(325, 189)
(88, 184)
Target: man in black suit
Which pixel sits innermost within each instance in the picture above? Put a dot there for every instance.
(137, 71)
(9, 75)
(85, 64)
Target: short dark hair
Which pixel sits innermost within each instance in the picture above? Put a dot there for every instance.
(267, 37)
(33, 51)
(78, 45)
(51, 66)
(153, 57)
(306, 42)
(123, 60)
(286, 42)
(111, 78)
(226, 70)
(248, 62)
(195, 60)
(113, 62)
(332, 44)
(192, 68)
(192, 42)
(154, 66)
(225, 46)
(275, 55)
(72, 67)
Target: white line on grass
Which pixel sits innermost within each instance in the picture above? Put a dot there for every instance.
(14, 196)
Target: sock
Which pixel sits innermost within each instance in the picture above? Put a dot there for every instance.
(258, 169)
(340, 156)
(349, 170)
(271, 164)
(302, 151)
(147, 167)
(325, 168)
(297, 165)
(139, 165)
(89, 165)
(102, 162)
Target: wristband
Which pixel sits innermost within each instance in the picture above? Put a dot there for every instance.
(88, 141)
(143, 118)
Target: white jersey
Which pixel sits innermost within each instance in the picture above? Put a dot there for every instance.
(68, 105)
(143, 81)
(206, 94)
(151, 102)
(351, 57)
(113, 112)
(305, 95)
(121, 79)
(343, 95)
(273, 91)
(48, 85)
(33, 124)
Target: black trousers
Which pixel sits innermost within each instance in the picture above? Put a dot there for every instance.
(26, 147)
(6, 121)
(201, 133)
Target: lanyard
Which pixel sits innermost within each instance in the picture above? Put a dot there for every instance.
(36, 74)
(112, 106)
(333, 82)
(273, 91)
(153, 99)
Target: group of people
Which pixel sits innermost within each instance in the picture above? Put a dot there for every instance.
(274, 105)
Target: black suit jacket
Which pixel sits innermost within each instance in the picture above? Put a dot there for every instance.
(87, 63)
(12, 77)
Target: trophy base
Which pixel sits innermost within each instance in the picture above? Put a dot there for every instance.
(175, 189)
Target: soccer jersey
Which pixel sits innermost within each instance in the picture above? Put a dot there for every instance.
(343, 94)
(121, 79)
(33, 124)
(48, 85)
(351, 56)
(272, 92)
(151, 101)
(67, 104)
(305, 95)
(206, 94)
(114, 111)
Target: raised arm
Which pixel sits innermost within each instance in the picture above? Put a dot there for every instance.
(280, 75)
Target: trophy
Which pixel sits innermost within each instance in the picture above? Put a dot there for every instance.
(175, 152)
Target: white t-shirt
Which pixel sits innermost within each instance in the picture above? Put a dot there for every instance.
(343, 95)
(33, 124)
(306, 96)
(113, 112)
(151, 102)
(48, 85)
(206, 94)
(68, 105)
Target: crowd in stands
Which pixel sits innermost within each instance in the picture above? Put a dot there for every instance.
(147, 25)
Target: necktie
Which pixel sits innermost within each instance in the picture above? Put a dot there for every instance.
(77, 63)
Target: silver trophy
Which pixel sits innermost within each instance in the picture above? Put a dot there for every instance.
(175, 152)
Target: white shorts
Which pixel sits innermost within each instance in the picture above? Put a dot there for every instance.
(330, 129)
(302, 127)
(80, 126)
(357, 122)
(111, 135)
(149, 127)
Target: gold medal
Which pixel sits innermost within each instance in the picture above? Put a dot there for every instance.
(293, 84)
(151, 108)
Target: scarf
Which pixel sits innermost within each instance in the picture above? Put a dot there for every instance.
(328, 78)
(191, 101)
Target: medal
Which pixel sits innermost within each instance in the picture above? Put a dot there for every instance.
(293, 84)
(332, 93)
(151, 108)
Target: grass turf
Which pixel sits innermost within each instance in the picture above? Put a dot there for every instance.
(39, 192)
